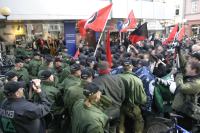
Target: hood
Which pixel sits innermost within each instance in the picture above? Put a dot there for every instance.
(160, 56)
(91, 49)
(144, 62)
(92, 58)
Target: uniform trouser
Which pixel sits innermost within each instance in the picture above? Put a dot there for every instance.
(56, 125)
(135, 114)
(113, 113)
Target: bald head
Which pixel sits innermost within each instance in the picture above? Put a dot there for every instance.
(195, 48)
(103, 65)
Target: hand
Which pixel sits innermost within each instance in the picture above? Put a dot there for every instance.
(37, 83)
(159, 61)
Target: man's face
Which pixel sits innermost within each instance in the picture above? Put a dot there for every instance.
(37, 57)
(79, 72)
(189, 71)
(139, 65)
(58, 64)
(51, 78)
(60, 56)
(28, 60)
(20, 46)
(20, 64)
(192, 59)
(60, 41)
(65, 50)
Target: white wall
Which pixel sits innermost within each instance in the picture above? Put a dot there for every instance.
(83, 9)
(142, 9)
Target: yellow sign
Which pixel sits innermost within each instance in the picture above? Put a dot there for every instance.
(19, 29)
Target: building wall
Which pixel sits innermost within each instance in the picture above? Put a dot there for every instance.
(83, 9)
(192, 18)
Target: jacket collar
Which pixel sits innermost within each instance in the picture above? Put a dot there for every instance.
(83, 83)
(191, 77)
(103, 74)
(129, 72)
(47, 83)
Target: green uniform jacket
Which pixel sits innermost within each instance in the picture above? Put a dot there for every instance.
(55, 76)
(34, 67)
(187, 89)
(74, 93)
(133, 89)
(71, 80)
(55, 97)
(28, 52)
(65, 56)
(87, 119)
(66, 72)
(26, 65)
(19, 52)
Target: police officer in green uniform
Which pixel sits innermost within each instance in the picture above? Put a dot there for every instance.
(26, 63)
(34, 65)
(65, 56)
(133, 98)
(19, 51)
(28, 51)
(10, 76)
(87, 115)
(58, 63)
(57, 108)
(72, 79)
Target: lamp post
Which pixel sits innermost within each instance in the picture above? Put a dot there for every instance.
(5, 11)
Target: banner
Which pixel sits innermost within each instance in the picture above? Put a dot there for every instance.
(163, 93)
(148, 84)
(70, 38)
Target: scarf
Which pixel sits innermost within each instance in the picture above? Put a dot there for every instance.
(104, 71)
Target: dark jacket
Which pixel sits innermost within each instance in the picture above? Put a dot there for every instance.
(24, 116)
(159, 71)
(113, 89)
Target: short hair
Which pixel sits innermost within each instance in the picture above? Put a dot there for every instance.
(103, 65)
(195, 65)
(126, 68)
(46, 63)
(73, 71)
(186, 56)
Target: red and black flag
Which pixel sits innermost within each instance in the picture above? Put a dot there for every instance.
(172, 35)
(129, 23)
(96, 22)
(139, 34)
(179, 35)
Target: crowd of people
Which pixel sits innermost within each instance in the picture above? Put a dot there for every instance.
(60, 94)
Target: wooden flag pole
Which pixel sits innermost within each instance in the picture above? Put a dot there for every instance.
(101, 34)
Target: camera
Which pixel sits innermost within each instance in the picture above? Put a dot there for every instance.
(174, 45)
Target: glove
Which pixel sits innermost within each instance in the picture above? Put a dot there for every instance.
(179, 70)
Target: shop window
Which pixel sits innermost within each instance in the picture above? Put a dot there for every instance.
(177, 8)
(194, 7)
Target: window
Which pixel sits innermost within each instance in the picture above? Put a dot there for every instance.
(177, 10)
(194, 7)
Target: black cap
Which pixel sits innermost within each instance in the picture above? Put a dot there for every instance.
(195, 54)
(58, 59)
(11, 75)
(46, 74)
(59, 70)
(48, 59)
(12, 86)
(27, 57)
(36, 54)
(18, 42)
(27, 47)
(126, 62)
(18, 60)
(85, 74)
(91, 88)
(75, 67)
(64, 47)
(41, 55)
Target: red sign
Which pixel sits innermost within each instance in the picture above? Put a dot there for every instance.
(112, 26)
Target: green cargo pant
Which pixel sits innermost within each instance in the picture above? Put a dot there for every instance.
(135, 114)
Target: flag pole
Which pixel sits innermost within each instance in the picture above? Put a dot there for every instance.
(101, 34)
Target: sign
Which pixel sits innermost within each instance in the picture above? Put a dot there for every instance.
(70, 38)
(112, 26)
(19, 29)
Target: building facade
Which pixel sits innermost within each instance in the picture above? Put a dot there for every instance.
(192, 15)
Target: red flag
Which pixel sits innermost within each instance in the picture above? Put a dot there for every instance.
(129, 23)
(139, 34)
(96, 22)
(108, 52)
(180, 34)
(77, 53)
(172, 35)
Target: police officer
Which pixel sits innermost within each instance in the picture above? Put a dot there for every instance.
(28, 52)
(21, 116)
(87, 115)
(65, 56)
(135, 95)
(57, 63)
(26, 63)
(18, 68)
(19, 51)
(72, 79)
(34, 65)
(55, 96)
